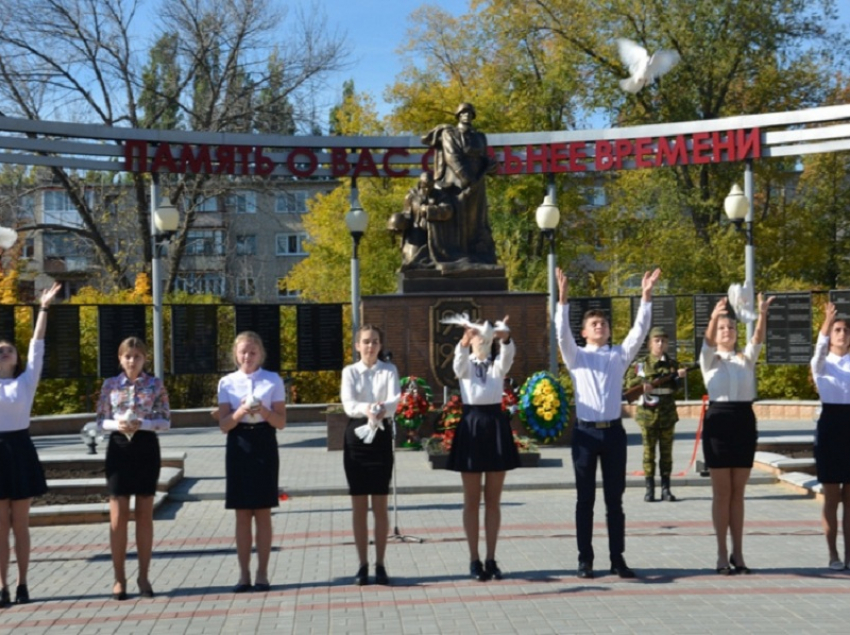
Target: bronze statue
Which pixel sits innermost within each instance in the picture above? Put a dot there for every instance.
(462, 239)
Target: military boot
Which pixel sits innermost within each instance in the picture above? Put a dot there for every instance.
(650, 490)
(665, 490)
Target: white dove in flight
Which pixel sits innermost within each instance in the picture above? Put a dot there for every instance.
(643, 68)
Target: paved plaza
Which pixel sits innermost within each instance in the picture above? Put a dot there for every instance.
(670, 545)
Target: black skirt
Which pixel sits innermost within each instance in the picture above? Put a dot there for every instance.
(368, 466)
(21, 474)
(729, 434)
(483, 441)
(252, 465)
(832, 443)
(132, 465)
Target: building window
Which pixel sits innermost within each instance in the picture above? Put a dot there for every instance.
(204, 204)
(200, 282)
(285, 292)
(292, 202)
(28, 250)
(246, 245)
(204, 242)
(58, 209)
(26, 209)
(245, 288)
(290, 244)
(243, 202)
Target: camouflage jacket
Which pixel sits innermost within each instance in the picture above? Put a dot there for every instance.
(645, 369)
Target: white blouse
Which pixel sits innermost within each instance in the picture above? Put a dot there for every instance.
(482, 383)
(17, 394)
(363, 385)
(729, 376)
(831, 373)
(262, 384)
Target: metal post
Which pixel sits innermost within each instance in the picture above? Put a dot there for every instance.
(156, 283)
(550, 264)
(749, 250)
(355, 293)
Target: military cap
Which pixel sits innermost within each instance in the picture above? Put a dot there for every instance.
(658, 331)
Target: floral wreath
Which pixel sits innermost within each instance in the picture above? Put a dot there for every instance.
(450, 415)
(415, 402)
(543, 407)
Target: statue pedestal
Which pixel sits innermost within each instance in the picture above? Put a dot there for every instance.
(423, 347)
(484, 278)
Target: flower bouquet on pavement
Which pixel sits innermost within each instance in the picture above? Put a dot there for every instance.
(441, 441)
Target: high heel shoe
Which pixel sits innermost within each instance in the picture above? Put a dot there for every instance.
(476, 570)
(22, 594)
(121, 592)
(362, 577)
(145, 589)
(739, 568)
(492, 569)
(5, 599)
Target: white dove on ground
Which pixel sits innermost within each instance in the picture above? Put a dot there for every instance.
(741, 300)
(643, 68)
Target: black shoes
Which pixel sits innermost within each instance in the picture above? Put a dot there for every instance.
(5, 598)
(262, 587)
(649, 497)
(145, 589)
(666, 495)
(242, 587)
(362, 577)
(741, 569)
(622, 569)
(492, 570)
(121, 593)
(381, 576)
(585, 570)
(476, 570)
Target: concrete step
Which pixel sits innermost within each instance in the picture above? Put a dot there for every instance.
(82, 513)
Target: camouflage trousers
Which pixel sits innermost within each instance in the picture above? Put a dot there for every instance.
(657, 434)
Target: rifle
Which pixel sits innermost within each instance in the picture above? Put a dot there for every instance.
(632, 394)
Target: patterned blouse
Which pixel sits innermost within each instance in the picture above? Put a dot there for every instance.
(144, 399)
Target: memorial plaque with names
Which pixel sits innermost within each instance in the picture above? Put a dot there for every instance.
(703, 306)
(194, 339)
(664, 315)
(841, 299)
(319, 337)
(789, 328)
(62, 342)
(115, 323)
(7, 323)
(264, 320)
(580, 306)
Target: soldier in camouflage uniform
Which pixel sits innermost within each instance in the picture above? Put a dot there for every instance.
(656, 410)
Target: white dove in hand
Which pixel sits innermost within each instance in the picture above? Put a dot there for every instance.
(741, 300)
(643, 68)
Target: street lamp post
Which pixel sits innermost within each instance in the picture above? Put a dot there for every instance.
(356, 220)
(164, 221)
(739, 208)
(547, 217)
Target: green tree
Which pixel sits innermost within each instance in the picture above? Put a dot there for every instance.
(209, 70)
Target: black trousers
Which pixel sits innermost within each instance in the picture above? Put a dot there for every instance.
(605, 446)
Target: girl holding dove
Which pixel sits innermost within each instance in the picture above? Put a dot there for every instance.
(483, 448)
(370, 392)
(133, 406)
(252, 408)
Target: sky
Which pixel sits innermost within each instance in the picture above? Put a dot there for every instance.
(376, 28)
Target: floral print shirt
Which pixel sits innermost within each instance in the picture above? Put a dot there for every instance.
(144, 399)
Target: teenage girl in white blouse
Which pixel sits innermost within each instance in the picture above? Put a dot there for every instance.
(831, 371)
(729, 433)
(21, 474)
